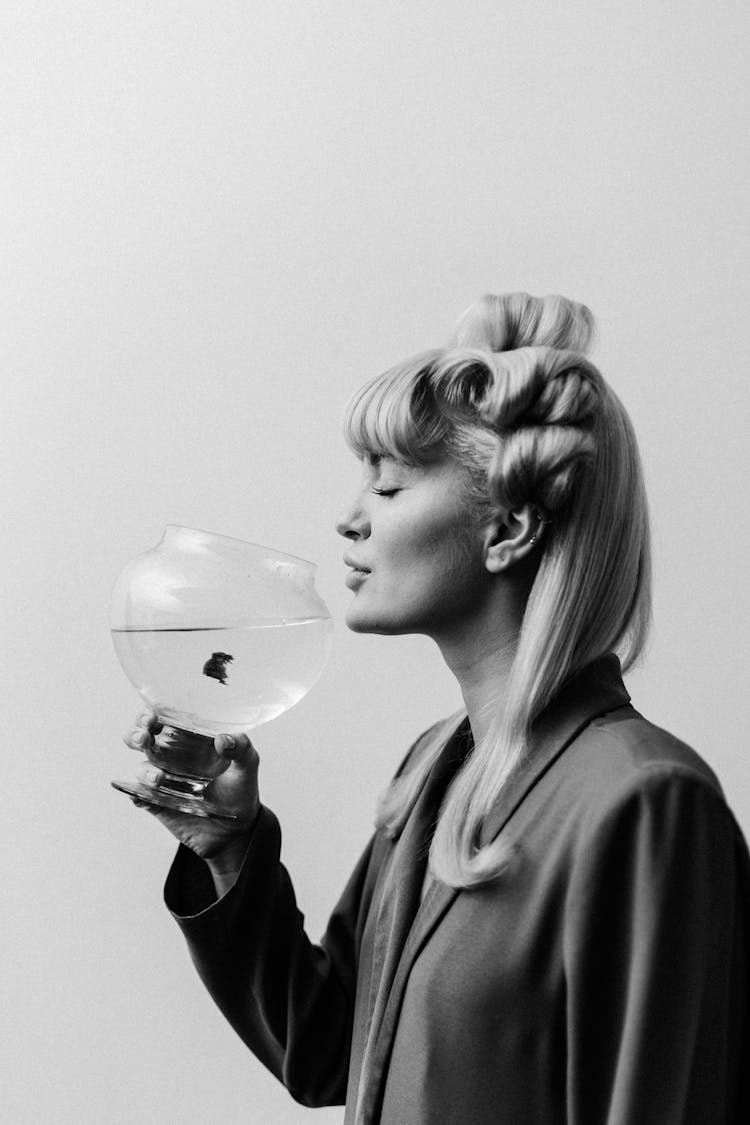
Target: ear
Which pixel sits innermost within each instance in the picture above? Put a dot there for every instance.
(511, 536)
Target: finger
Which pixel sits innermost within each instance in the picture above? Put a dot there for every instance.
(149, 720)
(138, 739)
(149, 775)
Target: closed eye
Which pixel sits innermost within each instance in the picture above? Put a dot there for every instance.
(385, 491)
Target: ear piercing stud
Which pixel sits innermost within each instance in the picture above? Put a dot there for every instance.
(542, 523)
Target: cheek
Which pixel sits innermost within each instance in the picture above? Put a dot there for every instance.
(437, 557)
(420, 576)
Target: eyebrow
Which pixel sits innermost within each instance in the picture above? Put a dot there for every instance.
(378, 463)
(383, 460)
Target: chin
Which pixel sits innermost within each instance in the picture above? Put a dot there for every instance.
(360, 622)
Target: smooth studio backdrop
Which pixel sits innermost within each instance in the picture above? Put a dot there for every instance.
(218, 220)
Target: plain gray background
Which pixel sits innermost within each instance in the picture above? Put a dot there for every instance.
(218, 220)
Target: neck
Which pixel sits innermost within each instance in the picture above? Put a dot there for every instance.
(480, 658)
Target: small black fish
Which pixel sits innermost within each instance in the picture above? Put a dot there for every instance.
(215, 667)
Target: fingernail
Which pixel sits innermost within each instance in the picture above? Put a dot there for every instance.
(137, 737)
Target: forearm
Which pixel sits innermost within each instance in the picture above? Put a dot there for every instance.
(290, 1001)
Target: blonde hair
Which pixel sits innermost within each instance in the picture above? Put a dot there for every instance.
(515, 400)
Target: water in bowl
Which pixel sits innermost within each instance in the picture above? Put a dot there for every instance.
(225, 680)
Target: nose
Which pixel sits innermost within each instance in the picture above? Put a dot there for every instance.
(355, 523)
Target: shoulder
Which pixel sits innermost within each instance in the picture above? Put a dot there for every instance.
(622, 748)
(625, 766)
(646, 815)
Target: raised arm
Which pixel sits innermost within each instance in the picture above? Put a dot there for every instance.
(290, 1000)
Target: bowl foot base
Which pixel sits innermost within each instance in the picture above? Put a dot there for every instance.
(195, 804)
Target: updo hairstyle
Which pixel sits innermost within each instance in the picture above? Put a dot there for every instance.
(515, 400)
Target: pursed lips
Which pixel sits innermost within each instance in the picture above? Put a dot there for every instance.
(357, 574)
(355, 566)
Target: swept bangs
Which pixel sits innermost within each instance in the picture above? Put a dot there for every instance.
(394, 415)
(410, 412)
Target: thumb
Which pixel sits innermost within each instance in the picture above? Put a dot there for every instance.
(238, 749)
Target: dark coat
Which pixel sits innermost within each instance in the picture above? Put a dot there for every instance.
(602, 980)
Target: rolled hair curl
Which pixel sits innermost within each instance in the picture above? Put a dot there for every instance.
(514, 399)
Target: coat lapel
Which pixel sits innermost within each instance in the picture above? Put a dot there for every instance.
(595, 690)
(400, 888)
(404, 870)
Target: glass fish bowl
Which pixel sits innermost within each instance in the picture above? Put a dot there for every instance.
(218, 636)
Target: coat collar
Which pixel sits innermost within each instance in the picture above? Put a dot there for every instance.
(591, 692)
(595, 690)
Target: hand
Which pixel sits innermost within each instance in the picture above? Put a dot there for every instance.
(222, 843)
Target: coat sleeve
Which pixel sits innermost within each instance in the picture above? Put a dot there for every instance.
(656, 960)
(292, 1002)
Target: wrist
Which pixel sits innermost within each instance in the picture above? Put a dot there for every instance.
(225, 861)
(229, 857)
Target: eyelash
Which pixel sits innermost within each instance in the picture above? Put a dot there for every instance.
(385, 491)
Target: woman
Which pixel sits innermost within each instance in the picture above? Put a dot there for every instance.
(550, 923)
